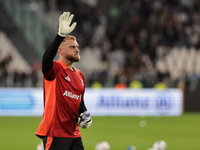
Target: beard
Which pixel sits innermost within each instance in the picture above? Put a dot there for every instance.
(73, 58)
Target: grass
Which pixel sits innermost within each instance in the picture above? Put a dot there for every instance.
(180, 133)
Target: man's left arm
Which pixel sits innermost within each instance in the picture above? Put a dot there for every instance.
(84, 116)
(82, 108)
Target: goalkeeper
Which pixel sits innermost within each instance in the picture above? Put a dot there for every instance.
(63, 92)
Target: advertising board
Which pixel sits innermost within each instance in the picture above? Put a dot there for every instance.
(100, 102)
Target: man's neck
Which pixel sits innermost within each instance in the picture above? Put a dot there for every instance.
(71, 67)
(69, 64)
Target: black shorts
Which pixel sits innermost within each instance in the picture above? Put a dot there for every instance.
(61, 143)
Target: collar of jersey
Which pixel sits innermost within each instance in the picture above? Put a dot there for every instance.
(62, 64)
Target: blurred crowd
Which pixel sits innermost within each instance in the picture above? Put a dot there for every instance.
(14, 69)
(128, 42)
(125, 40)
(17, 77)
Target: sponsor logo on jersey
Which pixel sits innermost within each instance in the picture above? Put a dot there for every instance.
(71, 95)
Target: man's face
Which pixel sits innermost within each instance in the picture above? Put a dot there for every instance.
(70, 50)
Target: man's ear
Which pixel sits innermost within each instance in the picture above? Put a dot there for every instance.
(60, 51)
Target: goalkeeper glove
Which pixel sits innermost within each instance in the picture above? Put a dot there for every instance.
(64, 24)
(85, 120)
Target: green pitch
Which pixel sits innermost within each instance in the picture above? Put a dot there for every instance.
(180, 133)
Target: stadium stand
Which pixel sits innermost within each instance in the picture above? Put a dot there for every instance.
(148, 41)
(15, 70)
(17, 57)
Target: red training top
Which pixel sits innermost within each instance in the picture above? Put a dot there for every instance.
(63, 92)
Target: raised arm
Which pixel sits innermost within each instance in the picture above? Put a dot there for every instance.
(50, 53)
(64, 29)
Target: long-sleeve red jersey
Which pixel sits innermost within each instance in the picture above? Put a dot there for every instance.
(63, 96)
(63, 93)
